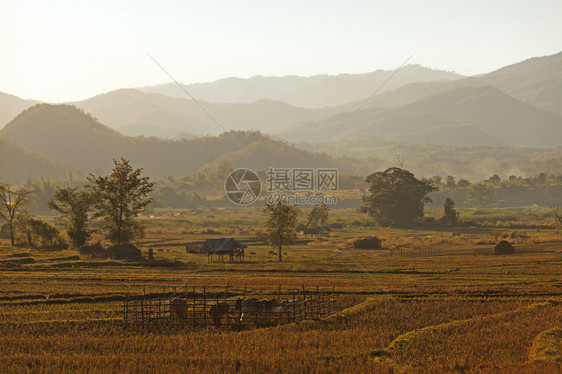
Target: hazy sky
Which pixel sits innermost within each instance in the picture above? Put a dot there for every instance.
(70, 50)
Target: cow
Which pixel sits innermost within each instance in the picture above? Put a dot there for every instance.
(219, 310)
(178, 308)
(248, 308)
(259, 311)
(276, 313)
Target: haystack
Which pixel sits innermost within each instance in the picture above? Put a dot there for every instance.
(370, 242)
(504, 248)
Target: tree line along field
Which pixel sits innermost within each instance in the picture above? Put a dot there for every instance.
(428, 301)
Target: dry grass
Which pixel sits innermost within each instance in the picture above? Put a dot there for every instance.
(547, 346)
(435, 302)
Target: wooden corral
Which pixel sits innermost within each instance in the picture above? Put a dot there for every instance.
(199, 307)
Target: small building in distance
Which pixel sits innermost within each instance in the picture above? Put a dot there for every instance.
(224, 246)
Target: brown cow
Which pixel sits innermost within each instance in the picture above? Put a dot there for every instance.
(178, 308)
(219, 310)
(258, 311)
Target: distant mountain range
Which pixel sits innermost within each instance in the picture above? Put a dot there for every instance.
(472, 125)
(536, 81)
(307, 92)
(53, 140)
(495, 119)
(520, 104)
(138, 113)
(266, 104)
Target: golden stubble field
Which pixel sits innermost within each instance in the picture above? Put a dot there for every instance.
(428, 302)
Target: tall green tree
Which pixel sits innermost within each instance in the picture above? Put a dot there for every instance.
(120, 198)
(481, 195)
(75, 206)
(319, 215)
(396, 197)
(12, 201)
(280, 223)
(450, 214)
(495, 179)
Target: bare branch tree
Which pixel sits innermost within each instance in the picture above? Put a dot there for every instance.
(11, 202)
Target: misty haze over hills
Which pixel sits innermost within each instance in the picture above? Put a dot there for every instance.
(473, 126)
(486, 109)
(52, 140)
(138, 113)
(307, 92)
(536, 81)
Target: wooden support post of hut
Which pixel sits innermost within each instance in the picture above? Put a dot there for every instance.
(225, 246)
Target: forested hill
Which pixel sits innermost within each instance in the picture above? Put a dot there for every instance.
(17, 164)
(72, 138)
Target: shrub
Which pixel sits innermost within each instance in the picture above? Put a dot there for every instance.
(95, 250)
(123, 251)
(34, 231)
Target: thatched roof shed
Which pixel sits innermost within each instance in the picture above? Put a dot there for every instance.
(222, 246)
